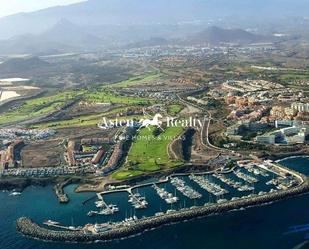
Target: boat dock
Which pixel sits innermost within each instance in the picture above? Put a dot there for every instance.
(246, 177)
(164, 195)
(234, 184)
(137, 200)
(210, 187)
(185, 189)
(106, 209)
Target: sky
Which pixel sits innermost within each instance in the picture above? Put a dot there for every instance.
(8, 7)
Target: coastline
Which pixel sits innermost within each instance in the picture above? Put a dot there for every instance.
(20, 184)
(30, 229)
(101, 182)
(292, 157)
(281, 156)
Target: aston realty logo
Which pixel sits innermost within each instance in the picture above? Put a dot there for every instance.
(157, 120)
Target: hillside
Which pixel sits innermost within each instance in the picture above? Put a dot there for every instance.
(20, 65)
(216, 35)
(63, 36)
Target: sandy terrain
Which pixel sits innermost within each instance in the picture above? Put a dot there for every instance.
(4, 95)
(14, 80)
(42, 154)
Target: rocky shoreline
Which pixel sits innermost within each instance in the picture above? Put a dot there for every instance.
(29, 228)
(20, 184)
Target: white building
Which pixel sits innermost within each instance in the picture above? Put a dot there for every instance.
(284, 123)
(301, 107)
(266, 139)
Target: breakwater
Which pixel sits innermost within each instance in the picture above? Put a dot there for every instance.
(59, 189)
(29, 228)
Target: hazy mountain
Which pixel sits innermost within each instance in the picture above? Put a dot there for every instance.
(63, 36)
(137, 12)
(31, 44)
(216, 35)
(66, 32)
(20, 65)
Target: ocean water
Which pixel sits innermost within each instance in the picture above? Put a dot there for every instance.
(255, 228)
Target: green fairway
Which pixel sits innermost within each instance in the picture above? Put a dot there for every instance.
(104, 96)
(126, 174)
(85, 120)
(45, 105)
(138, 80)
(294, 76)
(174, 109)
(39, 106)
(149, 153)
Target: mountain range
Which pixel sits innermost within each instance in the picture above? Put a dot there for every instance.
(96, 24)
(67, 37)
(145, 12)
(216, 35)
(64, 36)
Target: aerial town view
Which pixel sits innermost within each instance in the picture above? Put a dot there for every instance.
(154, 124)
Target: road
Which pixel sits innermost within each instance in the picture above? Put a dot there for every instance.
(207, 118)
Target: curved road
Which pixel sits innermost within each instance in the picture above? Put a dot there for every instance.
(207, 118)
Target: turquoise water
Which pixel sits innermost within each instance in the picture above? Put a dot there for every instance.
(254, 228)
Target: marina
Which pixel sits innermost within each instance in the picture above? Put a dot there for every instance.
(137, 225)
(181, 191)
(138, 201)
(165, 195)
(256, 169)
(105, 209)
(235, 184)
(63, 214)
(247, 178)
(213, 188)
(185, 189)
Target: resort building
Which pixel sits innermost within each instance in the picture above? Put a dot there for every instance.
(266, 139)
(301, 107)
